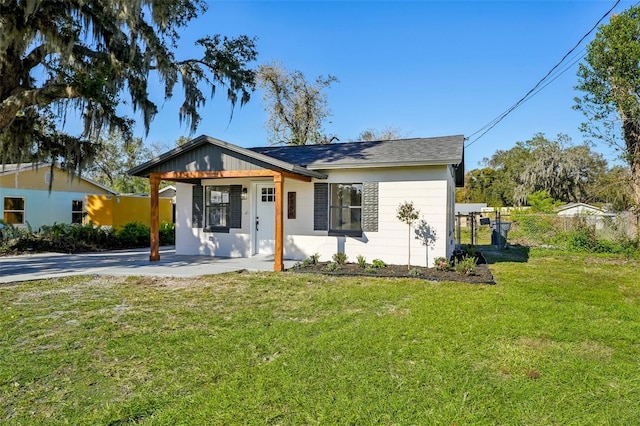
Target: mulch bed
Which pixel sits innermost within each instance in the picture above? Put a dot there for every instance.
(482, 274)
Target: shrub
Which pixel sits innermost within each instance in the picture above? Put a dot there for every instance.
(134, 234)
(362, 261)
(471, 250)
(441, 263)
(167, 233)
(583, 238)
(315, 257)
(415, 272)
(331, 267)
(377, 263)
(371, 270)
(17, 238)
(466, 265)
(340, 258)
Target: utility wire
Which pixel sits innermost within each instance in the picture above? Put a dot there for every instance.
(493, 123)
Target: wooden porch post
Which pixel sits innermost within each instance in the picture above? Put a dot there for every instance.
(278, 264)
(154, 180)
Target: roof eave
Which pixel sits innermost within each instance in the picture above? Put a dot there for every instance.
(360, 165)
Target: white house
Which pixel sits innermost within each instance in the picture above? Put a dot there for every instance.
(295, 201)
(38, 194)
(579, 209)
(592, 215)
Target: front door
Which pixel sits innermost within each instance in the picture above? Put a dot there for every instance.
(265, 223)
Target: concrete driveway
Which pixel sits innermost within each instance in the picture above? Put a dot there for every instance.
(125, 262)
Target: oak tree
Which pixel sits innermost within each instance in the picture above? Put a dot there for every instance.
(90, 58)
(297, 108)
(610, 80)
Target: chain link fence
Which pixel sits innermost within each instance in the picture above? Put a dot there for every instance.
(534, 229)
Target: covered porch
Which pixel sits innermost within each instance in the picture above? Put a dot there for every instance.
(205, 160)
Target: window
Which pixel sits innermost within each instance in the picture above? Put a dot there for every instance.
(291, 205)
(76, 211)
(217, 212)
(345, 209)
(268, 195)
(14, 210)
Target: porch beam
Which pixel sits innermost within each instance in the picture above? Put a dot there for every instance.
(295, 176)
(154, 180)
(216, 174)
(278, 264)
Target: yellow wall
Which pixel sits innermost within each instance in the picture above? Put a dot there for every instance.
(117, 210)
(32, 178)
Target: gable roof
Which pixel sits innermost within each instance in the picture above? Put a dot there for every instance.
(310, 160)
(13, 168)
(442, 150)
(579, 206)
(207, 144)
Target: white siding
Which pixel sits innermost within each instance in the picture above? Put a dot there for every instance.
(430, 190)
(194, 241)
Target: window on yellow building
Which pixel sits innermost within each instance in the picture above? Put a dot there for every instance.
(14, 210)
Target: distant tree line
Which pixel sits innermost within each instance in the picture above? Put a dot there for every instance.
(564, 171)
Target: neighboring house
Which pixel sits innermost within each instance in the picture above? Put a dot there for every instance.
(466, 208)
(592, 215)
(168, 192)
(117, 210)
(579, 209)
(295, 201)
(37, 195)
(463, 209)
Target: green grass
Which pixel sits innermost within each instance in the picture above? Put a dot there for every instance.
(554, 342)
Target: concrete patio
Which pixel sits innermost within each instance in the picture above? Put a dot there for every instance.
(125, 262)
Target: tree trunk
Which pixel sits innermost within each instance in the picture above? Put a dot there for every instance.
(409, 247)
(631, 131)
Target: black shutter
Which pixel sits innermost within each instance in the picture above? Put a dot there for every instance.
(370, 206)
(197, 209)
(320, 206)
(235, 206)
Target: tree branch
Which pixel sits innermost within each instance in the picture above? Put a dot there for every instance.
(21, 99)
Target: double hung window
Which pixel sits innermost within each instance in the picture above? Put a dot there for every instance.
(345, 209)
(217, 211)
(76, 211)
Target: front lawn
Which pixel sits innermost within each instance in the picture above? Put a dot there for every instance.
(554, 342)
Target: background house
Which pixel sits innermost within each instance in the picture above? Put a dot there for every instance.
(38, 194)
(591, 215)
(296, 201)
(117, 210)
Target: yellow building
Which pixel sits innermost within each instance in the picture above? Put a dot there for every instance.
(38, 194)
(116, 210)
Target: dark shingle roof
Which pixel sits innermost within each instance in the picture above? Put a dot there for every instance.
(401, 152)
(311, 160)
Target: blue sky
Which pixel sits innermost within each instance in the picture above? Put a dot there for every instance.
(427, 68)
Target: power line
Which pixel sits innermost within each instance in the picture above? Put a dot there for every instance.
(535, 89)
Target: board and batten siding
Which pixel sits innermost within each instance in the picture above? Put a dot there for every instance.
(208, 157)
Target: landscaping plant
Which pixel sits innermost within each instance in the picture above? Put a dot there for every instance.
(408, 214)
(340, 258)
